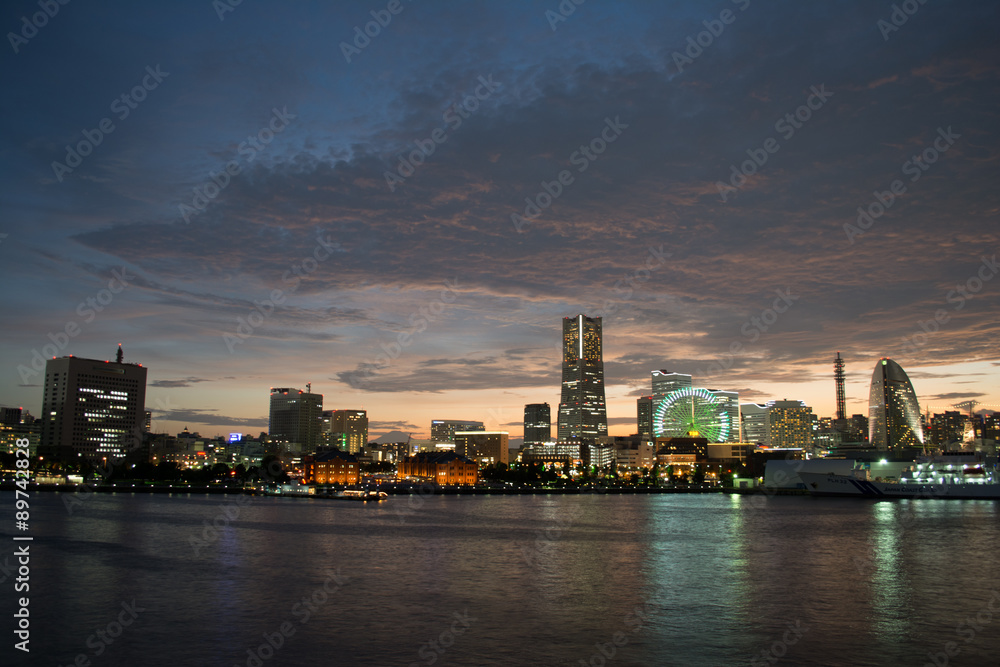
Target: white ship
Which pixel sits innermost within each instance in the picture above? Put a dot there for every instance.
(939, 477)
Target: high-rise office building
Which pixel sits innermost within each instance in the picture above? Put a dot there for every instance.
(537, 423)
(790, 424)
(893, 412)
(582, 409)
(731, 404)
(644, 416)
(665, 382)
(484, 447)
(92, 410)
(346, 430)
(443, 430)
(947, 427)
(296, 419)
(753, 417)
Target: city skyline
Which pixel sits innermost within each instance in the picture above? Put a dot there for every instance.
(402, 228)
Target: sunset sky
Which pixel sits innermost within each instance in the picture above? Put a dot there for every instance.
(651, 113)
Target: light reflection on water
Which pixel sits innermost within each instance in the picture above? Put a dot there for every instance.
(681, 579)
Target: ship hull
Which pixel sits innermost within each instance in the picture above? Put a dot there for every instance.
(830, 485)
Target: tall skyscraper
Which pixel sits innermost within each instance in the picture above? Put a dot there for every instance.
(790, 424)
(346, 429)
(665, 382)
(537, 423)
(582, 409)
(755, 423)
(644, 416)
(731, 404)
(92, 409)
(443, 430)
(893, 412)
(296, 419)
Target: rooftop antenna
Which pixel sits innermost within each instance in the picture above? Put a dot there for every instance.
(120, 355)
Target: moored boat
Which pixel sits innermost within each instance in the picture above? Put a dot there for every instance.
(928, 478)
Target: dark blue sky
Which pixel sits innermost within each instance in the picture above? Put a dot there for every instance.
(359, 260)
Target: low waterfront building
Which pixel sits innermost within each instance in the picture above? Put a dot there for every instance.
(443, 468)
(333, 467)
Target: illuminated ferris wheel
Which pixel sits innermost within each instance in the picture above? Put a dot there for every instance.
(692, 412)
